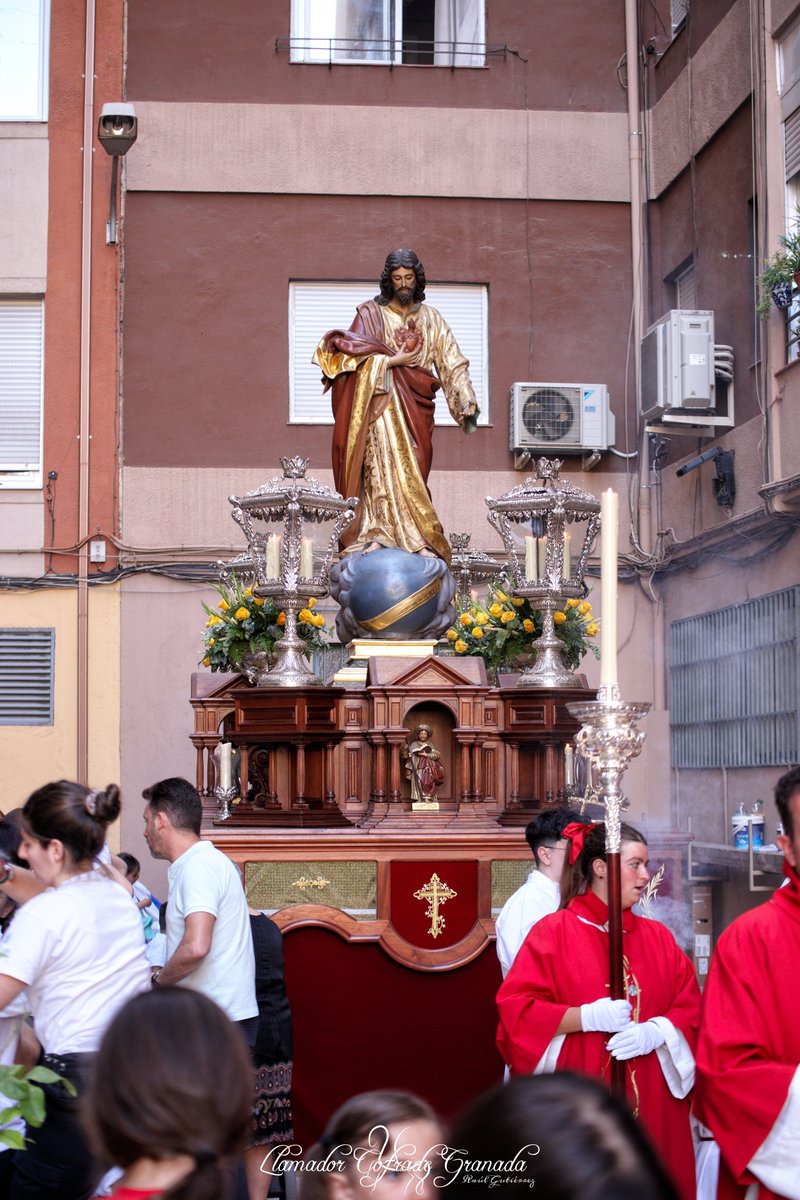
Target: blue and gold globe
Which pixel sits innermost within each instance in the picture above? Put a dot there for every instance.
(392, 595)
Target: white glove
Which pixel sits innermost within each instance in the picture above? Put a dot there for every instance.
(605, 1016)
(636, 1040)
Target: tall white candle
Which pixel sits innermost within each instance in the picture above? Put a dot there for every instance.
(274, 556)
(541, 557)
(530, 557)
(225, 752)
(307, 558)
(567, 568)
(609, 518)
(568, 765)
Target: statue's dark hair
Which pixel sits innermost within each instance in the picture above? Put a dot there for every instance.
(395, 260)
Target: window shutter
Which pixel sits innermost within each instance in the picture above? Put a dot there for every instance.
(679, 10)
(26, 676)
(686, 289)
(791, 144)
(735, 696)
(21, 371)
(316, 308)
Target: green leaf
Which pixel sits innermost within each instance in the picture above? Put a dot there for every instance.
(12, 1138)
(45, 1075)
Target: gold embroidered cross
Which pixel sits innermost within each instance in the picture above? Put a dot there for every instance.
(436, 893)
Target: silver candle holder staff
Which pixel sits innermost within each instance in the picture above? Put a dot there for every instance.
(608, 739)
(279, 521)
(548, 530)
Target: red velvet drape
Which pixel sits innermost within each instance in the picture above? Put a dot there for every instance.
(363, 1021)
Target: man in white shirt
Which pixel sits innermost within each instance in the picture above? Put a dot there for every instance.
(209, 944)
(540, 894)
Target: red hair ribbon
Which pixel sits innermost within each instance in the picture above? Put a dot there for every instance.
(575, 833)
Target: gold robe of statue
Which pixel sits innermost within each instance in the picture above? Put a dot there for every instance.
(383, 421)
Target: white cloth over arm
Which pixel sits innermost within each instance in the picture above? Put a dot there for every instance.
(777, 1161)
(537, 898)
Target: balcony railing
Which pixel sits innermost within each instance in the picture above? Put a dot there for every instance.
(390, 52)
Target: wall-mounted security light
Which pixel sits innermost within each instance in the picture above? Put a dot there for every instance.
(117, 130)
(725, 482)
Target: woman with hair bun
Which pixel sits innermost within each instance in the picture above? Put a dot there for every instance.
(556, 1013)
(77, 948)
(174, 1113)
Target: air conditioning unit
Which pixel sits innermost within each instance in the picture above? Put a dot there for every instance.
(567, 417)
(678, 371)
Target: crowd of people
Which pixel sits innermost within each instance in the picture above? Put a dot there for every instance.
(174, 1080)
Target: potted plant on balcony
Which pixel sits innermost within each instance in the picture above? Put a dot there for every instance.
(780, 273)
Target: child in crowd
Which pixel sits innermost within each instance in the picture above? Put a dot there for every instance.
(141, 896)
(174, 1113)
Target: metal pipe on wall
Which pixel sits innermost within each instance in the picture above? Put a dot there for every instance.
(635, 140)
(82, 666)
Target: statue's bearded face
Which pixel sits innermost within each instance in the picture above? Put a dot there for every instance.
(404, 283)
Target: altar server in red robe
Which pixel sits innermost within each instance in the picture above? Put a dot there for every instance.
(748, 1087)
(556, 1013)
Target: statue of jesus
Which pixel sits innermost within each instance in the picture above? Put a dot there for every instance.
(385, 371)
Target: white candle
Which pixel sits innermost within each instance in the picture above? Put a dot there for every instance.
(541, 557)
(307, 558)
(274, 556)
(530, 558)
(609, 517)
(567, 568)
(225, 752)
(568, 765)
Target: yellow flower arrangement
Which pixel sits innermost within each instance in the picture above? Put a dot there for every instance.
(506, 627)
(243, 623)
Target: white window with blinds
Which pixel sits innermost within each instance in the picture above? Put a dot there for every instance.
(21, 392)
(24, 59)
(428, 32)
(27, 661)
(315, 308)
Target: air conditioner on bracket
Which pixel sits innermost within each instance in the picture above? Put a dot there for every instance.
(678, 372)
(567, 417)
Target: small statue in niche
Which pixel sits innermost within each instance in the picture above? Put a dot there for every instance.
(424, 769)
